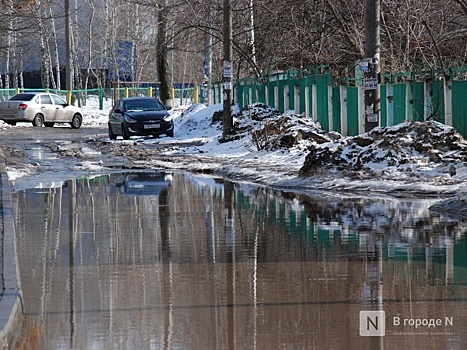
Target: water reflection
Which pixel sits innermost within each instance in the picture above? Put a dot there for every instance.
(178, 261)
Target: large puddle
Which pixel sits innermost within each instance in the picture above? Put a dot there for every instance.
(181, 261)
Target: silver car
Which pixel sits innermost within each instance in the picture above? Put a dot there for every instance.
(40, 108)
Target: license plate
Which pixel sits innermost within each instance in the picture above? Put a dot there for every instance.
(152, 126)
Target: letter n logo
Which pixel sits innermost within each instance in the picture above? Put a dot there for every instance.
(372, 323)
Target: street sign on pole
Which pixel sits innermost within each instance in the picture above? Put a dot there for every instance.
(363, 65)
(370, 83)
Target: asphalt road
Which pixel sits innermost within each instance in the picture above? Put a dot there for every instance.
(27, 146)
(45, 152)
(36, 151)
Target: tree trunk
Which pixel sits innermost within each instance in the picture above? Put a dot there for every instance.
(7, 58)
(56, 50)
(45, 58)
(207, 57)
(165, 91)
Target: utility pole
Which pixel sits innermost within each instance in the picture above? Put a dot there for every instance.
(372, 68)
(227, 121)
(69, 76)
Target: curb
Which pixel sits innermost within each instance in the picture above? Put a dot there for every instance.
(11, 303)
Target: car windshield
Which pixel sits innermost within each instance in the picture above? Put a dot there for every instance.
(22, 97)
(143, 105)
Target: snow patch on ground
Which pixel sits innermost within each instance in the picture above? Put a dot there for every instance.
(289, 150)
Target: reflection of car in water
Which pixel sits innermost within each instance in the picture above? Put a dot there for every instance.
(144, 184)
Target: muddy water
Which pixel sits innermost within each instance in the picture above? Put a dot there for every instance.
(177, 261)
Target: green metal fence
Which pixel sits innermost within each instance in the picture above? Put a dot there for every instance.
(337, 104)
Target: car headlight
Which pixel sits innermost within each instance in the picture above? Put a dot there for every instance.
(130, 120)
(168, 118)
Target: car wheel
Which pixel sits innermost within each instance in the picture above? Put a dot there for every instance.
(38, 120)
(76, 121)
(112, 136)
(170, 134)
(125, 133)
(49, 125)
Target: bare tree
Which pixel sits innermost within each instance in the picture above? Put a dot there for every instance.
(462, 4)
(169, 38)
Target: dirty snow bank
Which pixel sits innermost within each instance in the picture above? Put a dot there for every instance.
(427, 151)
(426, 155)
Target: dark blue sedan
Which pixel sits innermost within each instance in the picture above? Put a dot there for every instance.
(139, 116)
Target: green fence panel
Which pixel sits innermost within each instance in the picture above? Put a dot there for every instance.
(261, 93)
(408, 101)
(240, 91)
(336, 109)
(383, 105)
(459, 106)
(322, 82)
(438, 101)
(352, 111)
(288, 95)
(253, 96)
(418, 101)
(399, 103)
(218, 95)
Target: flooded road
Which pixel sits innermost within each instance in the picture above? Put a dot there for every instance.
(183, 261)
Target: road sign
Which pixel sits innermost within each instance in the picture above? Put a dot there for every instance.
(364, 66)
(370, 83)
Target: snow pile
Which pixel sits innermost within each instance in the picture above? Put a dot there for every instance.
(255, 112)
(92, 115)
(293, 151)
(269, 130)
(410, 149)
(196, 121)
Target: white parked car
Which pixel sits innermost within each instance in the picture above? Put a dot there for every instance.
(40, 108)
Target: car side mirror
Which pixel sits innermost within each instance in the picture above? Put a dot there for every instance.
(168, 108)
(118, 110)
